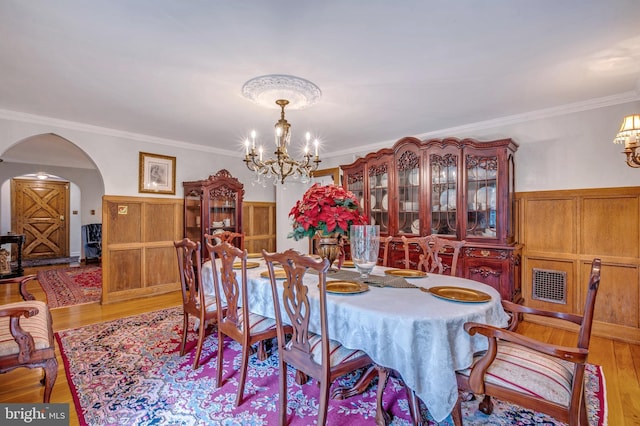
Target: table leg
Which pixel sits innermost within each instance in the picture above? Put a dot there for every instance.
(301, 378)
(383, 418)
(360, 386)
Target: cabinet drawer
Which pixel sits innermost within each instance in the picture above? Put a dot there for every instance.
(486, 253)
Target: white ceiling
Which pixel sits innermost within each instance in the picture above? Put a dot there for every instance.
(173, 69)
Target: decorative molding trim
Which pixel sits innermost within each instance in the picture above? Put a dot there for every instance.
(265, 90)
(82, 127)
(587, 105)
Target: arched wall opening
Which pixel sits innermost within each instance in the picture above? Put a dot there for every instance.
(61, 159)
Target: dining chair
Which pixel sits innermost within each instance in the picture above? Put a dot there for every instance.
(26, 340)
(533, 374)
(234, 238)
(315, 355)
(431, 248)
(385, 242)
(237, 321)
(194, 302)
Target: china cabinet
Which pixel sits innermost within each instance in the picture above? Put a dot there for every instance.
(461, 189)
(212, 205)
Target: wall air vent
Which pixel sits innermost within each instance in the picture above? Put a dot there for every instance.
(549, 286)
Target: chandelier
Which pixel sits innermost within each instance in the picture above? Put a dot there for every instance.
(285, 90)
(629, 134)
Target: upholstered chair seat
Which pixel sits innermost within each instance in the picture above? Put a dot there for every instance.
(530, 372)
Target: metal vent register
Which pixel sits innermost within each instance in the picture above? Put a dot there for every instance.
(549, 286)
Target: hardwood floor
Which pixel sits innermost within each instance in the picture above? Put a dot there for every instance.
(620, 361)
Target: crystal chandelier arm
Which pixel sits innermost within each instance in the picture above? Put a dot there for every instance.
(282, 166)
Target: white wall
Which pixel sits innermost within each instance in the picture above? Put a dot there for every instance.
(116, 155)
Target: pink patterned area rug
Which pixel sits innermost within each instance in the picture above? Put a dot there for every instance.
(129, 371)
(71, 286)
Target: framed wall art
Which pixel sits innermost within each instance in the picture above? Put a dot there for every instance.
(157, 174)
(326, 176)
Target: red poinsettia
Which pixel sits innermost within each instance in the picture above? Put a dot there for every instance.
(328, 208)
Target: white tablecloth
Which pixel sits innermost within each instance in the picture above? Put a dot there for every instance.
(408, 330)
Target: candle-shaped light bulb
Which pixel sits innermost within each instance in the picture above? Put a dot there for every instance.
(278, 135)
(315, 142)
(260, 150)
(246, 146)
(253, 138)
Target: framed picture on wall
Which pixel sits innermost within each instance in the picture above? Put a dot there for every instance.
(157, 174)
(326, 176)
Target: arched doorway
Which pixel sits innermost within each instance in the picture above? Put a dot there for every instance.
(62, 160)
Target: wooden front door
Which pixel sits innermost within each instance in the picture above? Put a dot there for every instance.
(40, 210)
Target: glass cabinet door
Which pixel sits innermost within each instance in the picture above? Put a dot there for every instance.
(408, 185)
(482, 175)
(379, 198)
(222, 212)
(444, 193)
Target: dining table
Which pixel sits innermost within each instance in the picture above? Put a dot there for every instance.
(411, 324)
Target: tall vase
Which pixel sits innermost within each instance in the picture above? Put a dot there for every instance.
(328, 246)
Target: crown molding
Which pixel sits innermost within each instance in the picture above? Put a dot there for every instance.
(631, 96)
(72, 125)
(621, 98)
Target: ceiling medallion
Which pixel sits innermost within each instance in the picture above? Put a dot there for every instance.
(266, 89)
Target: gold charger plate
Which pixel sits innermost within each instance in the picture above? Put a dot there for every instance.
(348, 264)
(254, 255)
(460, 294)
(280, 274)
(250, 265)
(346, 287)
(406, 273)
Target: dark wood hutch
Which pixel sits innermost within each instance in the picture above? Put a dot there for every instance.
(212, 205)
(461, 189)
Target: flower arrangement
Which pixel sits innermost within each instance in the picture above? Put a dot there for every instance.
(330, 209)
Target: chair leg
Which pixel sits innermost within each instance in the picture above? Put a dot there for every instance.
(414, 407)
(583, 410)
(220, 359)
(201, 333)
(383, 418)
(324, 402)
(262, 351)
(486, 406)
(243, 372)
(283, 394)
(185, 330)
(50, 375)
(456, 414)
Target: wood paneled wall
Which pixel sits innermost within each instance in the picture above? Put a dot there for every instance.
(564, 231)
(138, 256)
(259, 222)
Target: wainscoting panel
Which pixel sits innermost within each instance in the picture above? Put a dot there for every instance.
(564, 231)
(551, 225)
(613, 226)
(138, 255)
(259, 222)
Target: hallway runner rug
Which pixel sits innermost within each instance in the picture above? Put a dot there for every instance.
(129, 371)
(71, 286)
